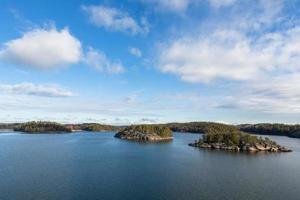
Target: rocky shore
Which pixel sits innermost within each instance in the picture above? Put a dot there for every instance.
(235, 140)
(145, 133)
(256, 147)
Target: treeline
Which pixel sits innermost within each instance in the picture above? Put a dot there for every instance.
(160, 130)
(202, 127)
(93, 127)
(42, 127)
(235, 138)
(9, 125)
(46, 126)
(192, 127)
(272, 129)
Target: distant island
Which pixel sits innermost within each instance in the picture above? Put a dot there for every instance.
(272, 129)
(42, 127)
(54, 127)
(215, 135)
(201, 127)
(226, 137)
(145, 133)
(8, 126)
(92, 127)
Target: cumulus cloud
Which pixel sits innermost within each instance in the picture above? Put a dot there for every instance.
(135, 51)
(99, 60)
(240, 49)
(114, 19)
(232, 55)
(258, 64)
(43, 49)
(45, 90)
(47, 49)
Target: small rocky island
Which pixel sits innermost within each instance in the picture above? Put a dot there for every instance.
(238, 141)
(42, 127)
(150, 133)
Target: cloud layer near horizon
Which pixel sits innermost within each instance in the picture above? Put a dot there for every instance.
(43, 90)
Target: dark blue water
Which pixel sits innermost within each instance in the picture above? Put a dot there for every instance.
(99, 166)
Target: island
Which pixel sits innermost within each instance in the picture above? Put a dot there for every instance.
(201, 127)
(54, 127)
(8, 126)
(93, 127)
(238, 141)
(42, 127)
(272, 129)
(145, 133)
(215, 135)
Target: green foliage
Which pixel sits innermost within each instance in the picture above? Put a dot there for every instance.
(42, 127)
(272, 129)
(160, 130)
(202, 127)
(97, 127)
(9, 125)
(235, 138)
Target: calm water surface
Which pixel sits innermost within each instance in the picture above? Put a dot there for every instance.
(99, 166)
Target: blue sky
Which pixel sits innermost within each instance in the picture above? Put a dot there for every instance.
(150, 61)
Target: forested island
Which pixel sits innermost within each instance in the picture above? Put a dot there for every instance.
(145, 133)
(42, 127)
(54, 127)
(8, 126)
(272, 129)
(238, 141)
(201, 127)
(92, 127)
(226, 137)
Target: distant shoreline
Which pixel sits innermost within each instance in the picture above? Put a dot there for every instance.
(275, 129)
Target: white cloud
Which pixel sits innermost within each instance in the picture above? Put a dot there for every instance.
(46, 90)
(232, 55)
(221, 3)
(71, 110)
(277, 95)
(99, 60)
(180, 6)
(114, 19)
(47, 49)
(43, 49)
(257, 61)
(171, 5)
(280, 94)
(135, 51)
(256, 16)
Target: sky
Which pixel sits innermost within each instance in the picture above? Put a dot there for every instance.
(150, 61)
